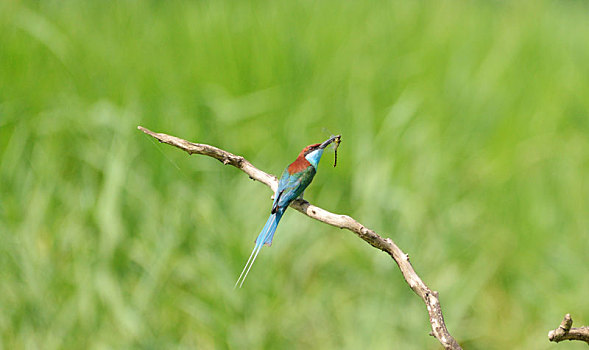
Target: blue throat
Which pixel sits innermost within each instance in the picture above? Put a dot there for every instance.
(314, 157)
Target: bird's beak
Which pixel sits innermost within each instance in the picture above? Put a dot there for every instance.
(330, 141)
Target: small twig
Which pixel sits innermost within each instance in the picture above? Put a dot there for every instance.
(429, 297)
(565, 332)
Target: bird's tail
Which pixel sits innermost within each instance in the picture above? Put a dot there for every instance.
(264, 238)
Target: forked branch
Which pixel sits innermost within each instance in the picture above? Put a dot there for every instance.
(429, 297)
(565, 332)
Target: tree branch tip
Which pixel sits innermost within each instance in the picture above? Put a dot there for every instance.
(145, 130)
(567, 323)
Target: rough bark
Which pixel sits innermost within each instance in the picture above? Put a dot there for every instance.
(566, 332)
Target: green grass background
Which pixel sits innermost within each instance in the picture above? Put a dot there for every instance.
(465, 139)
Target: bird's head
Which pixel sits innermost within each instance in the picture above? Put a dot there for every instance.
(313, 153)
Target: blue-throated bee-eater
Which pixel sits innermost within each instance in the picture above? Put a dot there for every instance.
(295, 179)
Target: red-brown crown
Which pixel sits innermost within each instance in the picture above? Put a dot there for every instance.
(308, 149)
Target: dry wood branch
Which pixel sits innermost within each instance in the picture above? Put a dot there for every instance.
(565, 332)
(429, 297)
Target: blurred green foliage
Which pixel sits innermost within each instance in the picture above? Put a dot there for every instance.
(465, 139)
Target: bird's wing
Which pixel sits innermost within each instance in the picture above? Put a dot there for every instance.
(293, 186)
(282, 183)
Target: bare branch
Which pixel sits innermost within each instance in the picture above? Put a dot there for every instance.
(565, 332)
(429, 297)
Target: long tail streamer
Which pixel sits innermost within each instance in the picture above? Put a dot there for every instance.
(265, 237)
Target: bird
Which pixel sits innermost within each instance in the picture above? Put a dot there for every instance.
(293, 182)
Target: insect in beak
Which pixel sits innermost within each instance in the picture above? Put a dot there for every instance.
(336, 142)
